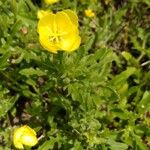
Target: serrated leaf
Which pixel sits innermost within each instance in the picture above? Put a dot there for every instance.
(7, 104)
(121, 78)
(90, 42)
(117, 145)
(48, 145)
(77, 146)
(109, 93)
(3, 60)
(119, 113)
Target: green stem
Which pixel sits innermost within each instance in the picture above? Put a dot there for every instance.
(140, 57)
(14, 6)
(30, 4)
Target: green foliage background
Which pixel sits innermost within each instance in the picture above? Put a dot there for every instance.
(96, 98)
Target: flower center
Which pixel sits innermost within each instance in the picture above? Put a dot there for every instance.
(54, 38)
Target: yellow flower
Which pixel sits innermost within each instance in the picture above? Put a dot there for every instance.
(42, 13)
(24, 136)
(59, 31)
(89, 13)
(51, 1)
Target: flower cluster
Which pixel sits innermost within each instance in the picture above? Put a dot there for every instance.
(59, 31)
(24, 136)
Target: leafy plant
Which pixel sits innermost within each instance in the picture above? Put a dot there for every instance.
(94, 98)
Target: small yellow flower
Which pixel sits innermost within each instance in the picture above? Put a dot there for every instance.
(50, 1)
(59, 31)
(89, 13)
(24, 136)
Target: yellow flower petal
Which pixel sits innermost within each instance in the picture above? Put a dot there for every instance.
(16, 138)
(42, 13)
(50, 46)
(68, 41)
(28, 130)
(76, 44)
(51, 1)
(72, 15)
(64, 24)
(29, 140)
(46, 24)
(46, 28)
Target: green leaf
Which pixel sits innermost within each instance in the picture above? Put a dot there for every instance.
(129, 58)
(109, 93)
(4, 60)
(7, 104)
(31, 71)
(139, 144)
(120, 113)
(77, 146)
(147, 2)
(144, 104)
(121, 78)
(48, 145)
(90, 42)
(117, 145)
